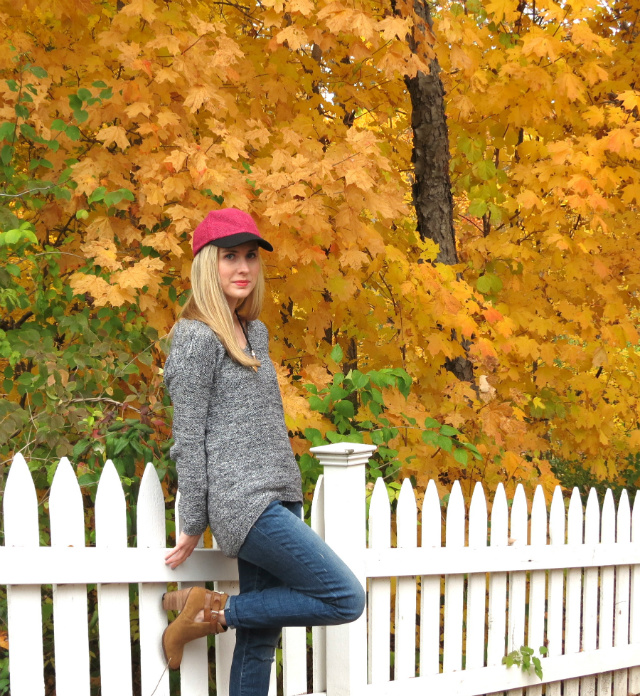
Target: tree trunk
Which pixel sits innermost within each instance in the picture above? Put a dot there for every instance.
(432, 186)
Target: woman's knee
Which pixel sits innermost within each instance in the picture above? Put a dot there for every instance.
(351, 603)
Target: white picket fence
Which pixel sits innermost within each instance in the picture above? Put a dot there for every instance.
(569, 580)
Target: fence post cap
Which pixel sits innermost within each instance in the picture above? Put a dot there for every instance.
(344, 453)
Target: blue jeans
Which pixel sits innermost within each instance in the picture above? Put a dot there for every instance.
(288, 577)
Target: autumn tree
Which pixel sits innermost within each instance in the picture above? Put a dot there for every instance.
(122, 125)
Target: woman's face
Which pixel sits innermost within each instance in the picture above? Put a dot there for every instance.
(238, 268)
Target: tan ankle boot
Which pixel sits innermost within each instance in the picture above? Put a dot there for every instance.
(185, 628)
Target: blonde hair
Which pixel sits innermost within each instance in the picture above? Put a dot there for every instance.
(208, 304)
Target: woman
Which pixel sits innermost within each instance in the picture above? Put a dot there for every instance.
(236, 470)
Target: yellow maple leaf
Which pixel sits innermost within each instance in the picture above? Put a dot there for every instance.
(137, 108)
(528, 199)
(138, 275)
(630, 99)
(541, 45)
(146, 9)
(201, 94)
(620, 140)
(103, 252)
(594, 116)
(571, 85)
(353, 258)
(393, 27)
(507, 9)
(359, 177)
(102, 292)
(113, 134)
(294, 36)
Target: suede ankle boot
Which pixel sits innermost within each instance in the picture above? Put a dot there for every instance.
(185, 628)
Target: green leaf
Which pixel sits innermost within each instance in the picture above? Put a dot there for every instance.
(99, 84)
(484, 170)
(317, 404)
(430, 438)
(359, 379)
(431, 423)
(98, 194)
(461, 456)
(79, 448)
(344, 408)
(21, 111)
(7, 130)
(73, 133)
(484, 284)
(28, 131)
(448, 430)
(58, 124)
(477, 207)
(6, 154)
(445, 442)
(115, 197)
(38, 71)
(80, 115)
(84, 94)
(337, 354)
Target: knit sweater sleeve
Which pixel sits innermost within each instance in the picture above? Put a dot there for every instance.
(189, 373)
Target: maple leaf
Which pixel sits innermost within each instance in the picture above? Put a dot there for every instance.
(146, 9)
(103, 252)
(393, 27)
(528, 199)
(294, 36)
(541, 45)
(503, 9)
(202, 94)
(113, 134)
(571, 86)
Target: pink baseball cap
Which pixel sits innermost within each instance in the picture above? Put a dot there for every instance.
(227, 228)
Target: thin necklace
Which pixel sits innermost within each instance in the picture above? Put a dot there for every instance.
(253, 355)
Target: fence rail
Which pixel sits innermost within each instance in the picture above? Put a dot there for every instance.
(447, 599)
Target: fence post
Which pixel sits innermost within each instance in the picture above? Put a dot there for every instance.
(345, 531)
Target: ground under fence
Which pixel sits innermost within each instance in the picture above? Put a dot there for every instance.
(455, 593)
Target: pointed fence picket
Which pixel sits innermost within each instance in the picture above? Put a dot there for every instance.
(477, 583)
(565, 578)
(405, 624)
(555, 606)
(24, 603)
(70, 625)
(634, 609)
(454, 585)
(379, 605)
(430, 585)
(590, 591)
(152, 534)
(498, 581)
(537, 581)
(574, 590)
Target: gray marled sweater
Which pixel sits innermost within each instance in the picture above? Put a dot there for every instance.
(231, 449)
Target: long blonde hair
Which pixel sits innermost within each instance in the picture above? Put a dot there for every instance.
(208, 304)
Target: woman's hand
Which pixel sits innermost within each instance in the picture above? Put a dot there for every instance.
(182, 550)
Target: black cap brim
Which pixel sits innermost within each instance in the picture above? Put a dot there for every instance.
(241, 238)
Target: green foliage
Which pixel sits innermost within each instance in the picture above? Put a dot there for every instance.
(576, 474)
(525, 659)
(342, 402)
